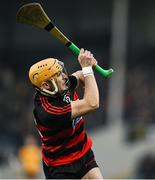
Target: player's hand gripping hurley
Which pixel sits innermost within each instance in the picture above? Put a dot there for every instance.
(33, 14)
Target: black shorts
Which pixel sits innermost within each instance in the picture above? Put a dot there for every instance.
(75, 170)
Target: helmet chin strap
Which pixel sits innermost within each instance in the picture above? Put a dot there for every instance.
(48, 92)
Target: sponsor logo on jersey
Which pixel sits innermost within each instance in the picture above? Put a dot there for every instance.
(67, 98)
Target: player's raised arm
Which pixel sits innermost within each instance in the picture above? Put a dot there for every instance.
(90, 100)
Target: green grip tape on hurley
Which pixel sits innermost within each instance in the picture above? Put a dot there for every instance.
(103, 72)
(74, 48)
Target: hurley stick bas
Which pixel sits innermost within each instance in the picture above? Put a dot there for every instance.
(34, 14)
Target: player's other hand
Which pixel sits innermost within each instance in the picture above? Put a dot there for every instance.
(86, 58)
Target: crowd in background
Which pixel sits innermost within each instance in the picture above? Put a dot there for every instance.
(139, 114)
(15, 117)
(15, 106)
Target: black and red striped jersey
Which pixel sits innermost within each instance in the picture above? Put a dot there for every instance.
(64, 139)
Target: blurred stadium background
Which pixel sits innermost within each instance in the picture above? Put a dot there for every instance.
(121, 34)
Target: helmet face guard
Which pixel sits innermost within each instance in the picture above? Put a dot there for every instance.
(63, 70)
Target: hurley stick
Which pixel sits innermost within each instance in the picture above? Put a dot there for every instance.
(33, 14)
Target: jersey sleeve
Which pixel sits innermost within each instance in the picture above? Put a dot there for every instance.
(53, 113)
(73, 82)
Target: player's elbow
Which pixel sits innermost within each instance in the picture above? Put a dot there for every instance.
(94, 105)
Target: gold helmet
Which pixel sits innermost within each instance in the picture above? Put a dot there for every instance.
(44, 70)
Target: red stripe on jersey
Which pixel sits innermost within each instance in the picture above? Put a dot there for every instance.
(42, 128)
(75, 96)
(50, 148)
(71, 143)
(55, 107)
(69, 158)
(62, 134)
(77, 139)
(58, 135)
(52, 111)
(51, 107)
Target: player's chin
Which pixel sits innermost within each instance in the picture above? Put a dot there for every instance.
(66, 87)
(66, 84)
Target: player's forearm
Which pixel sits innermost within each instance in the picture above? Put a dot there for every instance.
(91, 93)
(81, 77)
